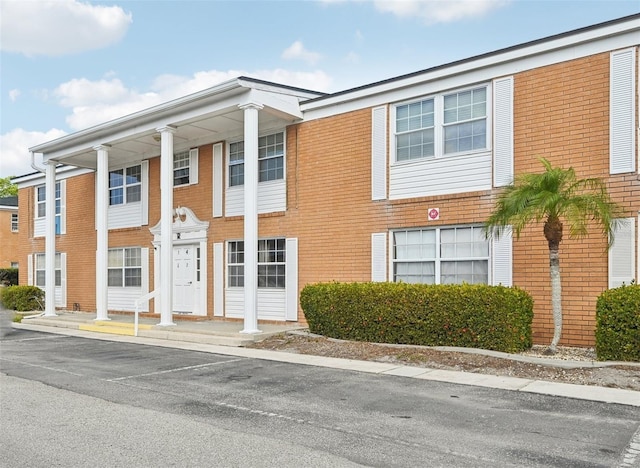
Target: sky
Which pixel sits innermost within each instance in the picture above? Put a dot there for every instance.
(66, 65)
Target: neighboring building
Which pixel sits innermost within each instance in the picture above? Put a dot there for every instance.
(386, 182)
(9, 228)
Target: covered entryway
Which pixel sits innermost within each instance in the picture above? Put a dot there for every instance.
(189, 261)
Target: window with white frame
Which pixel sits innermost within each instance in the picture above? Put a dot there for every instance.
(40, 264)
(181, 168)
(125, 185)
(270, 159)
(41, 200)
(125, 267)
(14, 222)
(451, 255)
(442, 125)
(271, 263)
(15, 264)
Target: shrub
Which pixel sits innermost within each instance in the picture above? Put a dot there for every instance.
(9, 276)
(618, 324)
(22, 298)
(478, 316)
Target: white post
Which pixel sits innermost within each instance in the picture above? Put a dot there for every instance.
(251, 217)
(50, 241)
(166, 226)
(102, 231)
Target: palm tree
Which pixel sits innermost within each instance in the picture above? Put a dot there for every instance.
(554, 196)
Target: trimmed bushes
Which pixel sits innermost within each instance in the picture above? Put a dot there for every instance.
(22, 298)
(618, 324)
(477, 316)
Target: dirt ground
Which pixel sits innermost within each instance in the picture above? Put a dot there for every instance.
(618, 376)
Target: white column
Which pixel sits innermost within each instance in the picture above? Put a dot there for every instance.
(251, 217)
(102, 230)
(50, 241)
(166, 226)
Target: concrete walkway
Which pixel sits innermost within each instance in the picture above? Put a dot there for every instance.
(225, 338)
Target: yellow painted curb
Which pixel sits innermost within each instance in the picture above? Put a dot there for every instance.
(116, 328)
(108, 323)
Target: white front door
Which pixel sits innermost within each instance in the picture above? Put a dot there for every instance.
(184, 278)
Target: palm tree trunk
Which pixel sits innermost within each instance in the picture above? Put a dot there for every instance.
(556, 297)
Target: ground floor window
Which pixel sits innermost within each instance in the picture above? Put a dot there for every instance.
(450, 255)
(271, 263)
(125, 267)
(41, 272)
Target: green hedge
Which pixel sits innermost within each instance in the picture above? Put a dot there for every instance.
(9, 276)
(477, 316)
(618, 324)
(22, 298)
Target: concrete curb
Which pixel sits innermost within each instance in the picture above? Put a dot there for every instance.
(581, 392)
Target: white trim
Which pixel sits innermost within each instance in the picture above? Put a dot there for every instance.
(218, 180)
(193, 166)
(379, 256)
(291, 280)
(503, 131)
(379, 153)
(218, 279)
(502, 259)
(622, 257)
(622, 111)
(30, 262)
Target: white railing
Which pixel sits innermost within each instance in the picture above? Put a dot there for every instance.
(146, 297)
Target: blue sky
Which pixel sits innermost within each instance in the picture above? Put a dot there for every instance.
(66, 65)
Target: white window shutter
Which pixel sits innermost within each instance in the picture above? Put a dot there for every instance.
(193, 166)
(218, 184)
(622, 112)
(379, 256)
(30, 270)
(63, 206)
(291, 280)
(144, 259)
(63, 280)
(379, 153)
(218, 279)
(503, 132)
(502, 258)
(144, 173)
(622, 254)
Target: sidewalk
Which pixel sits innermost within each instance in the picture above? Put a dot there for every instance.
(225, 338)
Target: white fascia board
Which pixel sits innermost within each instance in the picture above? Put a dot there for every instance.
(285, 107)
(274, 88)
(484, 68)
(38, 178)
(8, 208)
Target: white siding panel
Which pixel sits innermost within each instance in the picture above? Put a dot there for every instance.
(30, 273)
(145, 193)
(503, 132)
(218, 279)
(271, 303)
(622, 112)
(379, 153)
(502, 259)
(122, 216)
(123, 299)
(63, 207)
(442, 176)
(39, 227)
(61, 297)
(144, 259)
(622, 254)
(193, 166)
(272, 197)
(234, 303)
(218, 181)
(291, 280)
(379, 256)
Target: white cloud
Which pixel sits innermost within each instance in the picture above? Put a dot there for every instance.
(296, 51)
(14, 147)
(439, 11)
(96, 102)
(14, 94)
(59, 27)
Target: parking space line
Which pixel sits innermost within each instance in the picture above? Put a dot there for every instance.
(178, 369)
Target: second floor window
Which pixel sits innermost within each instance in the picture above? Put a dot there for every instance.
(442, 125)
(181, 168)
(41, 204)
(125, 185)
(270, 159)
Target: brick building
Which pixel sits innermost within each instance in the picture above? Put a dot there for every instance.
(386, 182)
(9, 229)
